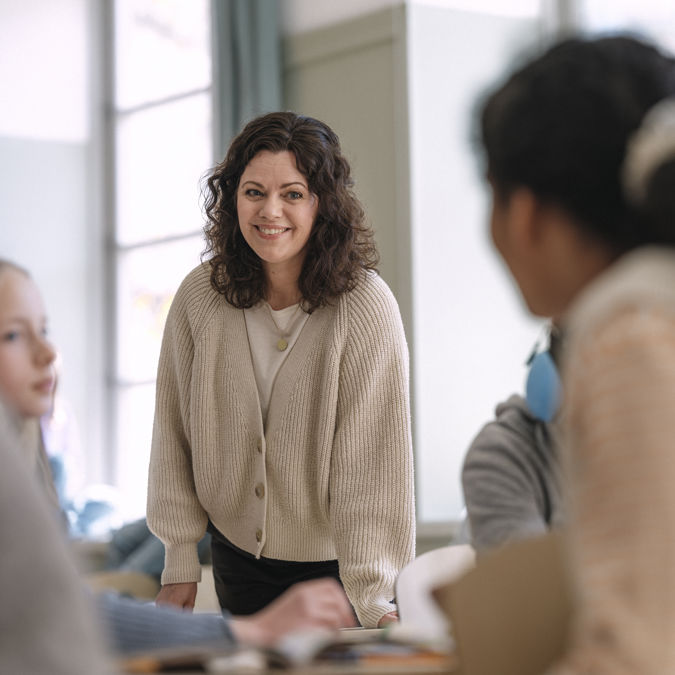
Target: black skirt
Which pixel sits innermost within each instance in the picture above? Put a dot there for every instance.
(245, 584)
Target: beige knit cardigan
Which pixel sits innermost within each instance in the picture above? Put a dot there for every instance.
(619, 452)
(331, 475)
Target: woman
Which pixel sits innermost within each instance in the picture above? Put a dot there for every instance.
(282, 415)
(580, 147)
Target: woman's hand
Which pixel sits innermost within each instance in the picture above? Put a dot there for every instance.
(392, 617)
(320, 603)
(178, 595)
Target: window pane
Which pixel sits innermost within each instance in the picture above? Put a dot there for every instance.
(161, 49)
(135, 408)
(655, 18)
(161, 155)
(148, 279)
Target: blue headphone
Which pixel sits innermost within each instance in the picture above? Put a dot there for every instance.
(543, 388)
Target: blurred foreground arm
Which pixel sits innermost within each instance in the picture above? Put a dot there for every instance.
(133, 626)
(320, 603)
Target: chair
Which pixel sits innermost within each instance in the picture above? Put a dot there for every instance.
(418, 611)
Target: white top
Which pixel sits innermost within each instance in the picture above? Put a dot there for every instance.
(265, 327)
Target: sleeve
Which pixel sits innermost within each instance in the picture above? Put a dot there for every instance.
(174, 512)
(133, 626)
(621, 389)
(371, 481)
(502, 491)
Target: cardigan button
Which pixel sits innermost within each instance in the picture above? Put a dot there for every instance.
(258, 535)
(259, 490)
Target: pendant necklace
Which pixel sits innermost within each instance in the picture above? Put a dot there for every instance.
(282, 342)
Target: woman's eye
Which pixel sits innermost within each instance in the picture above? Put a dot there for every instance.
(10, 336)
(252, 192)
(294, 195)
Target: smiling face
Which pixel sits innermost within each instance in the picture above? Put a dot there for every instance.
(26, 356)
(276, 210)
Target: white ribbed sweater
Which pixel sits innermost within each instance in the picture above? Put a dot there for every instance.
(332, 476)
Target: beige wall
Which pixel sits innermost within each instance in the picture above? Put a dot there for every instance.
(300, 16)
(352, 76)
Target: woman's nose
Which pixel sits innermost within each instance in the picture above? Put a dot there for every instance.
(271, 207)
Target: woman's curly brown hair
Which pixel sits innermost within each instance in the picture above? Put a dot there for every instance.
(340, 248)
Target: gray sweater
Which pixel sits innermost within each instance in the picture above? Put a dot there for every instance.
(511, 478)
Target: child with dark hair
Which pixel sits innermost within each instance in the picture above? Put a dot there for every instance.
(580, 149)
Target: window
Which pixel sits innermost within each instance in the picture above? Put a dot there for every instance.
(162, 141)
(471, 335)
(653, 18)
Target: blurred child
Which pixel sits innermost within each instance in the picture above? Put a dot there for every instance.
(28, 394)
(27, 374)
(53, 632)
(580, 148)
(45, 426)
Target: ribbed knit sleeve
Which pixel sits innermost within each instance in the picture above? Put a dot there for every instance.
(174, 512)
(371, 477)
(132, 626)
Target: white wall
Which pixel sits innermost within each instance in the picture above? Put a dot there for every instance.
(471, 333)
(47, 186)
(399, 86)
